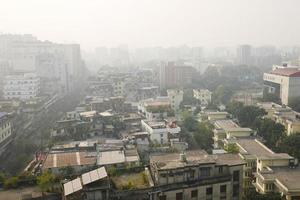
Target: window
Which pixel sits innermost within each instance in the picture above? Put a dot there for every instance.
(179, 196)
(223, 189)
(221, 170)
(192, 174)
(194, 193)
(209, 191)
(163, 197)
(205, 171)
(270, 186)
(236, 190)
(236, 175)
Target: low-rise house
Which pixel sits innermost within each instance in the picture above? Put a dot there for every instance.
(70, 127)
(248, 96)
(213, 115)
(79, 161)
(118, 158)
(141, 140)
(73, 115)
(283, 180)
(82, 159)
(258, 157)
(159, 131)
(147, 92)
(226, 129)
(114, 103)
(177, 145)
(155, 109)
(283, 115)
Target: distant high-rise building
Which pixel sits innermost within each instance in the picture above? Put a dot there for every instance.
(244, 55)
(119, 56)
(22, 51)
(102, 55)
(53, 71)
(266, 56)
(172, 75)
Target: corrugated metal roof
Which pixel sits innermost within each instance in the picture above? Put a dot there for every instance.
(72, 186)
(111, 157)
(94, 175)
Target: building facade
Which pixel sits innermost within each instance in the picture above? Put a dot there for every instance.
(22, 87)
(175, 98)
(5, 131)
(197, 175)
(283, 83)
(244, 55)
(172, 75)
(203, 95)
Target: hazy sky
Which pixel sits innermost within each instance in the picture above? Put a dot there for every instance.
(155, 22)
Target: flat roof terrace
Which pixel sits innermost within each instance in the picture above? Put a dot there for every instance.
(254, 147)
(284, 176)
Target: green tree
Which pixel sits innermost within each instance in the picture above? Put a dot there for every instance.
(12, 182)
(188, 98)
(245, 114)
(232, 148)
(222, 94)
(271, 131)
(290, 145)
(46, 181)
(2, 177)
(203, 136)
(189, 123)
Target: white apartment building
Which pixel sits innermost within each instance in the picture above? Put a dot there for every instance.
(5, 131)
(283, 82)
(175, 98)
(22, 87)
(159, 131)
(203, 95)
(154, 109)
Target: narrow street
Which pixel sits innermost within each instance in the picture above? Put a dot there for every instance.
(33, 133)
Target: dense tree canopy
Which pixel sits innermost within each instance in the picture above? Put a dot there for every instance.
(222, 94)
(245, 114)
(203, 136)
(290, 145)
(271, 131)
(46, 181)
(198, 135)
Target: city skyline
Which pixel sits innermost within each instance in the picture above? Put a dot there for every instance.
(147, 24)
